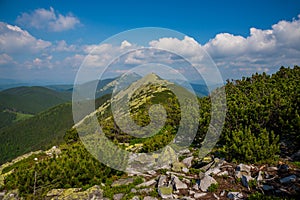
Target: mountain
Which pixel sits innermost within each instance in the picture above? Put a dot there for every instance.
(31, 99)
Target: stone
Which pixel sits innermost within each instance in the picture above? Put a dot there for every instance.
(184, 152)
(162, 181)
(199, 195)
(222, 193)
(242, 169)
(213, 171)
(118, 196)
(185, 170)
(288, 179)
(196, 187)
(121, 182)
(151, 172)
(272, 169)
(206, 182)
(259, 177)
(167, 157)
(216, 196)
(177, 166)
(223, 173)
(267, 187)
(188, 161)
(147, 184)
(165, 192)
(145, 190)
(133, 190)
(177, 184)
(187, 198)
(235, 195)
(245, 180)
(191, 192)
(150, 198)
(135, 198)
(283, 168)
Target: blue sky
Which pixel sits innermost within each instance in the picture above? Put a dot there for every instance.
(48, 40)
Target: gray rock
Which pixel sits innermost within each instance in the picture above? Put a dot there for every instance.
(272, 169)
(177, 184)
(185, 170)
(135, 198)
(120, 182)
(133, 190)
(147, 184)
(223, 173)
(145, 190)
(283, 168)
(242, 169)
(267, 187)
(216, 196)
(213, 171)
(196, 187)
(184, 152)
(206, 182)
(187, 198)
(118, 196)
(288, 179)
(222, 193)
(162, 181)
(191, 192)
(150, 198)
(235, 195)
(259, 177)
(151, 172)
(165, 192)
(188, 161)
(245, 180)
(199, 195)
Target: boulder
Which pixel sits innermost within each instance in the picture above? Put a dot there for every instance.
(188, 161)
(162, 181)
(242, 169)
(206, 182)
(150, 198)
(185, 170)
(177, 166)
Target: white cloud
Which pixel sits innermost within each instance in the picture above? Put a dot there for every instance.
(63, 46)
(14, 40)
(5, 59)
(48, 19)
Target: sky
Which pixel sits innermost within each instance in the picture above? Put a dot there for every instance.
(47, 41)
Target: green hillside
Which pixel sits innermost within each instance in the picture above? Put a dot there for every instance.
(31, 100)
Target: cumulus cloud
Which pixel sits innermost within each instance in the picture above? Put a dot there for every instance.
(48, 19)
(14, 40)
(5, 59)
(63, 46)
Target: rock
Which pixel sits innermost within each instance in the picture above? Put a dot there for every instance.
(242, 169)
(224, 173)
(259, 177)
(187, 198)
(216, 196)
(283, 168)
(151, 172)
(288, 179)
(133, 190)
(222, 193)
(188, 161)
(177, 166)
(147, 184)
(135, 198)
(296, 156)
(191, 192)
(184, 152)
(165, 192)
(206, 182)
(213, 171)
(186, 180)
(167, 157)
(267, 187)
(120, 182)
(185, 170)
(118, 196)
(196, 187)
(272, 169)
(175, 196)
(150, 198)
(245, 180)
(145, 190)
(162, 181)
(199, 195)
(235, 195)
(177, 184)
